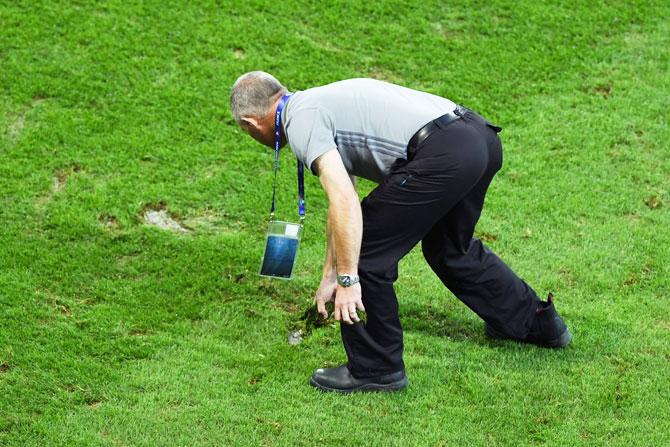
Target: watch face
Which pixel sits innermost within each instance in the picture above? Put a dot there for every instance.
(347, 280)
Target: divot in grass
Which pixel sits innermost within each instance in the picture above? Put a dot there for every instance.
(94, 403)
(310, 320)
(109, 221)
(160, 217)
(294, 337)
(239, 53)
(17, 126)
(604, 90)
(486, 237)
(59, 182)
(62, 176)
(653, 202)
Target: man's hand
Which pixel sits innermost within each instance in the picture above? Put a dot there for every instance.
(347, 301)
(325, 293)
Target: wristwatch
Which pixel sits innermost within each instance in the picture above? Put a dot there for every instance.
(347, 280)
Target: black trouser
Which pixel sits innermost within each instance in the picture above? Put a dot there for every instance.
(436, 197)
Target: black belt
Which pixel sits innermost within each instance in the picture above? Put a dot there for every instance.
(436, 124)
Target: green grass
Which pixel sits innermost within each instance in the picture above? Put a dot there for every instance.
(115, 333)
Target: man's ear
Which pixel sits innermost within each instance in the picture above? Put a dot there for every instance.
(249, 122)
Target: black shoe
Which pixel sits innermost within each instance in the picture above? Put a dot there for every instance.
(548, 329)
(340, 380)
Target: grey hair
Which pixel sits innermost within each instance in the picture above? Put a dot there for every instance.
(253, 94)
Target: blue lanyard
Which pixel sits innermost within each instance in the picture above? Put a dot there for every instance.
(301, 169)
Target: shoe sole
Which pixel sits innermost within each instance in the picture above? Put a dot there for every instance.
(368, 387)
(562, 341)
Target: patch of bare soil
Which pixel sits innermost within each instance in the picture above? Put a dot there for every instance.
(157, 215)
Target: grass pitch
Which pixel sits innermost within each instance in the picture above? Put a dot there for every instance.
(114, 332)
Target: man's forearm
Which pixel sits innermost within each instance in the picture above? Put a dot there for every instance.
(346, 225)
(329, 263)
(329, 266)
(344, 211)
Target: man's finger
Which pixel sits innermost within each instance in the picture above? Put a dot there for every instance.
(321, 308)
(359, 305)
(345, 316)
(354, 315)
(337, 313)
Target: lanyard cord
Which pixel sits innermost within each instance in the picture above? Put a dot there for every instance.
(301, 169)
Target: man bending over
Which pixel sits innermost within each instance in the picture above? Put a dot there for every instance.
(433, 161)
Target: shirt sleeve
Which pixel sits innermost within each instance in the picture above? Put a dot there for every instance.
(310, 133)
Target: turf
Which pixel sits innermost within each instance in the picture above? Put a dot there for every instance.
(113, 332)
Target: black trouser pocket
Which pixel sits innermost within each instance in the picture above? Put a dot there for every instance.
(494, 127)
(488, 123)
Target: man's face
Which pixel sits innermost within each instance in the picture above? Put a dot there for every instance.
(259, 131)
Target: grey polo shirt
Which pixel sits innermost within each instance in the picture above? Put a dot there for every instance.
(369, 122)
